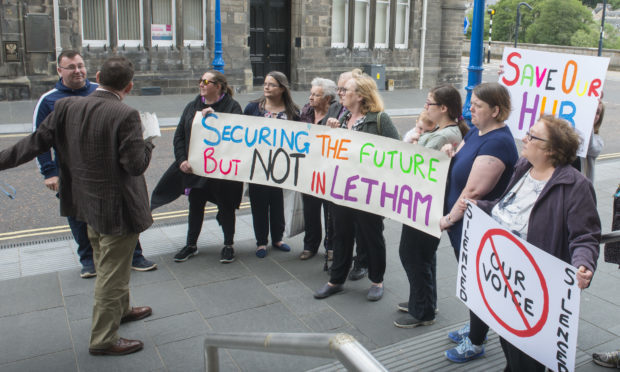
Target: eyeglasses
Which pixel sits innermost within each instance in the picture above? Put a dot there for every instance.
(205, 82)
(270, 85)
(73, 67)
(427, 103)
(530, 137)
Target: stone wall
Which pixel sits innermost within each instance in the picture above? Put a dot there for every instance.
(176, 69)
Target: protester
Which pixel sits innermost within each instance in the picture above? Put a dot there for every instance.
(480, 170)
(322, 95)
(267, 201)
(596, 144)
(101, 162)
(442, 114)
(215, 96)
(364, 114)
(337, 110)
(73, 83)
(552, 206)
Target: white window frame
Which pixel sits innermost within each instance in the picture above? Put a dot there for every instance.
(405, 27)
(346, 26)
(367, 21)
(167, 43)
(387, 25)
(95, 43)
(133, 43)
(199, 43)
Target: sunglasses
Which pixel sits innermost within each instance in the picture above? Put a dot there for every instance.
(205, 82)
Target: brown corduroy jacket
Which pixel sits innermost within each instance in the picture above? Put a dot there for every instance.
(101, 156)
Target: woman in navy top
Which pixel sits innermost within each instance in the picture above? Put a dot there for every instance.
(267, 201)
(480, 170)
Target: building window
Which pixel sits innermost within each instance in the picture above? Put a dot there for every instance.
(360, 26)
(94, 23)
(340, 23)
(401, 33)
(162, 24)
(382, 24)
(193, 22)
(129, 22)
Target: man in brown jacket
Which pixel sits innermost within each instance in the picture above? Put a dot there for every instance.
(101, 157)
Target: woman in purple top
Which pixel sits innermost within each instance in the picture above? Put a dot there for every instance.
(480, 170)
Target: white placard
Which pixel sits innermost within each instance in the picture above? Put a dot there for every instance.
(527, 296)
(564, 85)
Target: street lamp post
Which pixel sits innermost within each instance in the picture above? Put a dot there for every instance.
(519, 20)
(218, 61)
(491, 13)
(476, 56)
(600, 39)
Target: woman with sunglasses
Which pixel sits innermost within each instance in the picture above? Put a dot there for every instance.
(215, 96)
(480, 170)
(552, 206)
(267, 201)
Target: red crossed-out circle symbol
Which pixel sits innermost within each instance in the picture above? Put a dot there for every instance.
(529, 329)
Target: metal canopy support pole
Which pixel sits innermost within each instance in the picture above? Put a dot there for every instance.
(218, 61)
(474, 77)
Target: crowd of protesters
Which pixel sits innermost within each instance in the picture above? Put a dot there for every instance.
(539, 196)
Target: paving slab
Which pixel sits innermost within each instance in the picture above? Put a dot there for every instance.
(176, 327)
(30, 293)
(60, 361)
(33, 334)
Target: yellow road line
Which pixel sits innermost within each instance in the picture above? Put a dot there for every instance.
(65, 228)
(609, 156)
(14, 135)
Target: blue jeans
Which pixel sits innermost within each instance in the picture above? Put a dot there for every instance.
(85, 250)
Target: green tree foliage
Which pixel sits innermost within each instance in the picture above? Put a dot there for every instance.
(504, 20)
(556, 21)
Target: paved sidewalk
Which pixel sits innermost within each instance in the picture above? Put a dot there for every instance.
(45, 314)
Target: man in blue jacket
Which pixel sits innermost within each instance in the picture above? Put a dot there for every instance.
(73, 82)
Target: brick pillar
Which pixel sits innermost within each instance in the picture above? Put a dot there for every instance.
(453, 12)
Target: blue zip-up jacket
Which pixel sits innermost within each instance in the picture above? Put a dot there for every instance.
(47, 164)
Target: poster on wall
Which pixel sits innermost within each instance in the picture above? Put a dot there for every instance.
(161, 32)
(567, 86)
(380, 175)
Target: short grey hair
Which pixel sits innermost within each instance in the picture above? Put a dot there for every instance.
(330, 89)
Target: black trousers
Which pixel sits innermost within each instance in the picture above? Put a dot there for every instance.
(418, 254)
(267, 205)
(225, 217)
(369, 229)
(312, 222)
(519, 361)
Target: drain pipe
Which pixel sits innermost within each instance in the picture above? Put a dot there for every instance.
(57, 28)
(423, 42)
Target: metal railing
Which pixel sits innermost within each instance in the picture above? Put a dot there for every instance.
(341, 346)
(612, 237)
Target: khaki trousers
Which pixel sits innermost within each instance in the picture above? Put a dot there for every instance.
(112, 255)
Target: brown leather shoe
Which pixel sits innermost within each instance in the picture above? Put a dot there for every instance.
(122, 347)
(137, 313)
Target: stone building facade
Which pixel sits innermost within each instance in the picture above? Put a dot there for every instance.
(294, 36)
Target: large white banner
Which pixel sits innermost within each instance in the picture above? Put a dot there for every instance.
(376, 174)
(567, 86)
(529, 297)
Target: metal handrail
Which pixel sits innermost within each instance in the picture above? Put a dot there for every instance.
(612, 237)
(341, 346)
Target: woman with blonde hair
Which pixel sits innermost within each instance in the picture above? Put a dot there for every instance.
(364, 114)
